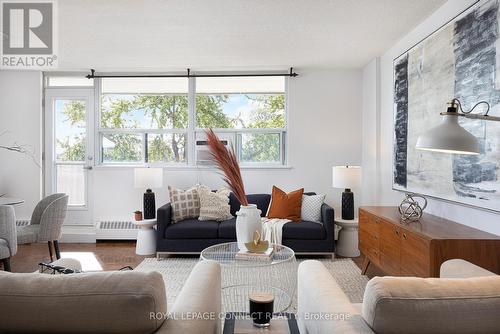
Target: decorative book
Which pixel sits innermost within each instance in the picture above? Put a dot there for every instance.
(251, 256)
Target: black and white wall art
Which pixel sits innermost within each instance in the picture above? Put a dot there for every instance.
(462, 60)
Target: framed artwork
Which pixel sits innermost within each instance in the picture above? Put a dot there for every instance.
(462, 60)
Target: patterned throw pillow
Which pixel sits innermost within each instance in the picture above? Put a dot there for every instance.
(311, 207)
(214, 205)
(185, 204)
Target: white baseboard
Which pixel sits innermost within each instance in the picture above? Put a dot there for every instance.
(78, 234)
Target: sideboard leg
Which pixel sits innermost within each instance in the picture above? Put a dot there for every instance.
(366, 264)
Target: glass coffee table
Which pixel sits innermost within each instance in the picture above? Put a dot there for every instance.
(240, 278)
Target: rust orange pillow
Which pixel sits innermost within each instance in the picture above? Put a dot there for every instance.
(285, 206)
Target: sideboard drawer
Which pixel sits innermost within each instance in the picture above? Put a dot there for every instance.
(369, 223)
(368, 240)
(369, 245)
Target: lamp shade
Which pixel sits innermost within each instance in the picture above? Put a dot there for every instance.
(148, 177)
(346, 177)
(448, 137)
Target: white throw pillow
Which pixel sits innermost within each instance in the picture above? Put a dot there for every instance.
(311, 207)
(214, 205)
(185, 203)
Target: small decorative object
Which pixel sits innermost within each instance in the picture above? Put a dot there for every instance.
(261, 309)
(410, 209)
(248, 218)
(346, 177)
(138, 215)
(22, 149)
(257, 245)
(148, 178)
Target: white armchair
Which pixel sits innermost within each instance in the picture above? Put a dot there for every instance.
(466, 299)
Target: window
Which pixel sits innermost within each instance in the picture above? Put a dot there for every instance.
(70, 140)
(68, 81)
(143, 120)
(162, 120)
(252, 107)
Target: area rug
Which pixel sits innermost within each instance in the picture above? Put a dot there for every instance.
(175, 272)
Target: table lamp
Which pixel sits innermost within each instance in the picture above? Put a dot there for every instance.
(346, 177)
(148, 178)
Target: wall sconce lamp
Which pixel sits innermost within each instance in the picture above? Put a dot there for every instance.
(449, 136)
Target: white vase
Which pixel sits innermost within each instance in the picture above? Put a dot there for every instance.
(247, 222)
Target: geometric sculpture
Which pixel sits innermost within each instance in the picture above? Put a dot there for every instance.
(410, 209)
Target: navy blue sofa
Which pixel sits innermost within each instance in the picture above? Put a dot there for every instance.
(192, 236)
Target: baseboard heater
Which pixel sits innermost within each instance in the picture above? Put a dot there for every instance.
(116, 230)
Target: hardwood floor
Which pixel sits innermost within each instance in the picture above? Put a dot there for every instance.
(109, 255)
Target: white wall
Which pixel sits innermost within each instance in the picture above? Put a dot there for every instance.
(370, 131)
(481, 219)
(20, 122)
(324, 130)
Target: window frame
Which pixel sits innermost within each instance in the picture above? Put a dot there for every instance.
(190, 131)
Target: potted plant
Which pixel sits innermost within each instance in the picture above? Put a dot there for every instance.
(248, 219)
(138, 215)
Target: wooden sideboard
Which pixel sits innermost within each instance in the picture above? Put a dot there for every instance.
(419, 248)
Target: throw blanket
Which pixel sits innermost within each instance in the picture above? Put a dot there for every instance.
(272, 229)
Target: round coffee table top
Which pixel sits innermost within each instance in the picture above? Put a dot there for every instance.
(225, 254)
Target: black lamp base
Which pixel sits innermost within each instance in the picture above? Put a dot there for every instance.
(149, 204)
(347, 205)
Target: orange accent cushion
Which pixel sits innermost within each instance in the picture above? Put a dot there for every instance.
(286, 206)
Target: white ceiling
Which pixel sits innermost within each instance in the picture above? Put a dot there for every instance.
(214, 34)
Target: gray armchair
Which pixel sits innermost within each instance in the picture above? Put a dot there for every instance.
(8, 240)
(46, 223)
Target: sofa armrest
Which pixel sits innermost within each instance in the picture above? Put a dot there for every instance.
(458, 268)
(328, 220)
(163, 220)
(197, 308)
(322, 305)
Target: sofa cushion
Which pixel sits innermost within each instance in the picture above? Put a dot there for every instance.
(261, 200)
(185, 203)
(311, 207)
(214, 205)
(227, 229)
(286, 205)
(304, 230)
(193, 229)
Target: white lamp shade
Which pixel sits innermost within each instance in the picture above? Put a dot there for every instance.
(448, 137)
(148, 178)
(346, 177)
